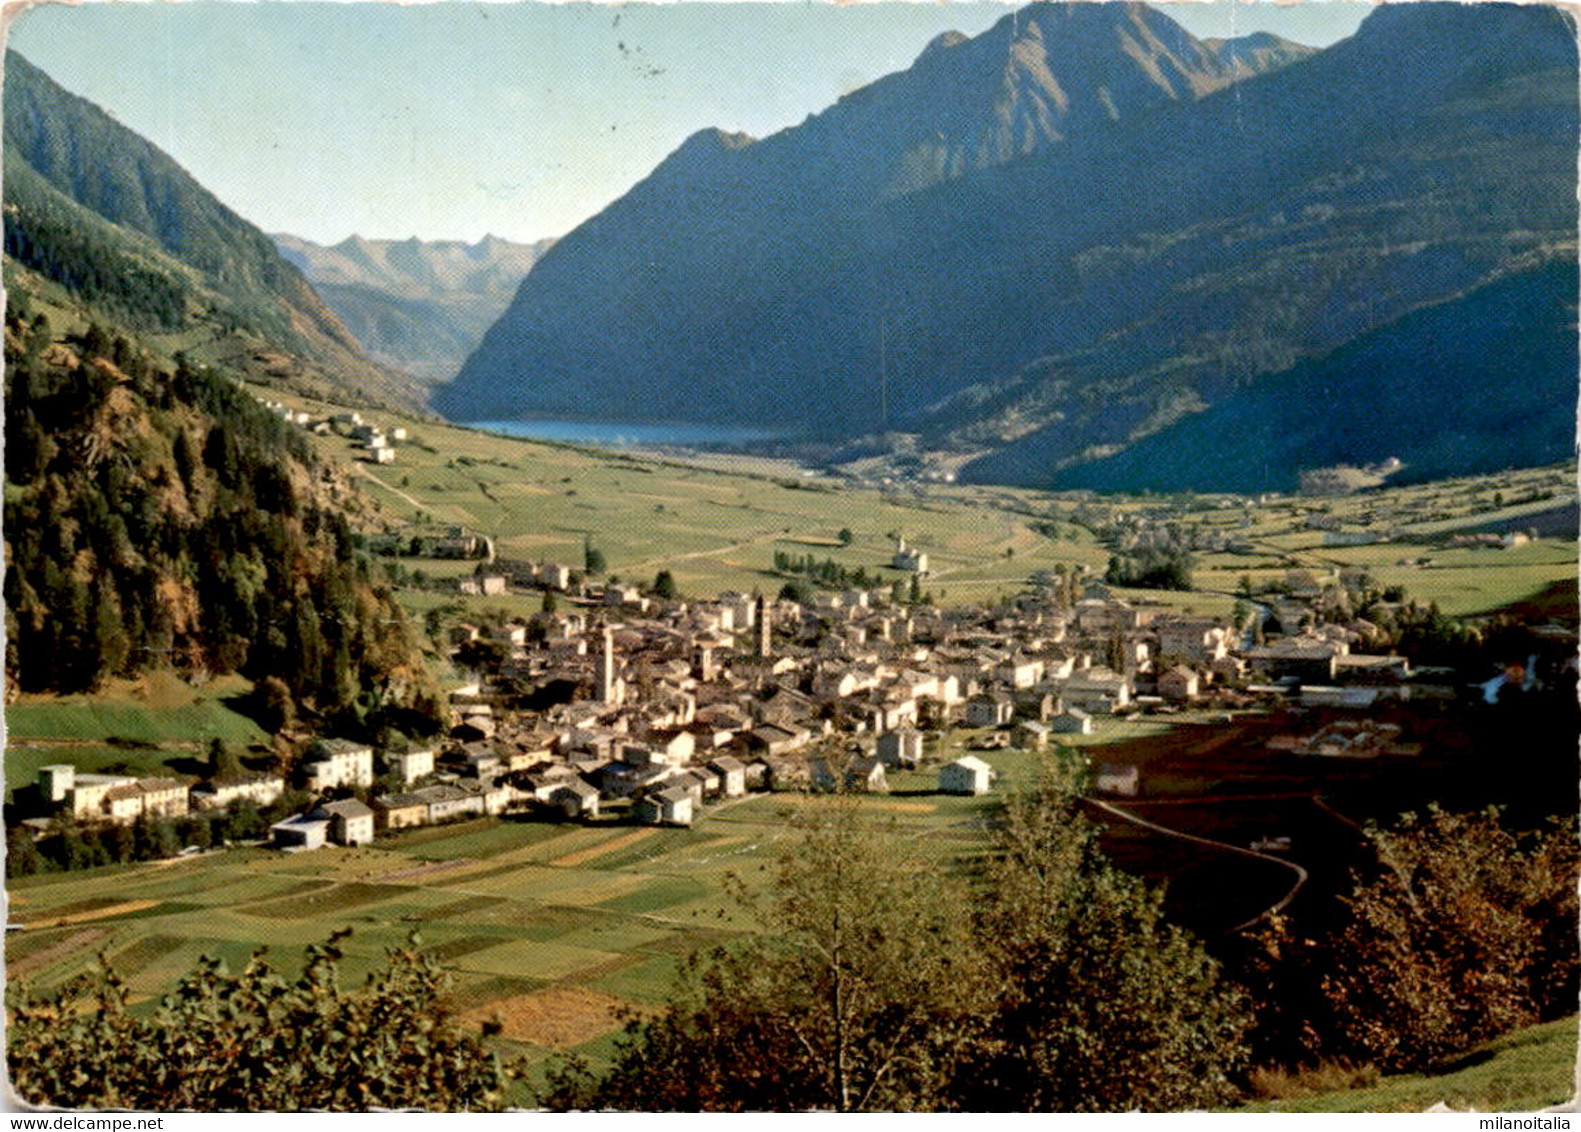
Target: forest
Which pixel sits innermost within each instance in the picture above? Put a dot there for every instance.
(162, 518)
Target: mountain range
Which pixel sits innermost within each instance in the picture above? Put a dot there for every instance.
(1078, 231)
(419, 306)
(102, 224)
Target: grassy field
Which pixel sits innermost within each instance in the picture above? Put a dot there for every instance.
(1521, 1072)
(713, 524)
(553, 928)
(155, 725)
(717, 522)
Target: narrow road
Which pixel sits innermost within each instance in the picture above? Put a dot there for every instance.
(713, 551)
(1279, 906)
(363, 470)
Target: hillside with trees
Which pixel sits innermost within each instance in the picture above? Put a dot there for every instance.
(104, 227)
(161, 518)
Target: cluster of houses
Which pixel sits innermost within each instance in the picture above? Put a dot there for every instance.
(377, 443)
(113, 798)
(660, 703)
(122, 799)
(658, 707)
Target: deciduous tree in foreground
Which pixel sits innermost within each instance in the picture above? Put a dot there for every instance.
(254, 1041)
(1048, 982)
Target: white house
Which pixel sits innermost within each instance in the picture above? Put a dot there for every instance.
(732, 775)
(350, 821)
(671, 805)
(409, 766)
(901, 748)
(338, 762)
(966, 775)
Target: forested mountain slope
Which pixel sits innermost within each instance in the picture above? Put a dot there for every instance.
(104, 225)
(1068, 301)
(160, 518)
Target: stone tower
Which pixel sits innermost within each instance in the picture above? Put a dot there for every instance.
(765, 630)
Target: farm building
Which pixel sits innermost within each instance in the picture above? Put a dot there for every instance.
(989, 711)
(966, 775)
(485, 584)
(1032, 735)
(1073, 721)
(576, 799)
(671, 805)
(1179, 683)
(901, 748)
(301, 831)
(732, 776)
(867, 776)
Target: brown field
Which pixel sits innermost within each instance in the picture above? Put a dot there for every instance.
(868, 803)
(43, 958)
(428, 868)
(121, 908)
(571, 860)
(556, 1017)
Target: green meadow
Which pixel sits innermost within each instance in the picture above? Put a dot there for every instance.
(716, 523)
(1523, 1071)
(556, 929)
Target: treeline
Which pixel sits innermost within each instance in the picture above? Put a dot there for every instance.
(69, 846)
(1151, 568)
(158, 518)
(828, 573)
(54, 239)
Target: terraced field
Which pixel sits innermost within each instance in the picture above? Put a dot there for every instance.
(558, 931)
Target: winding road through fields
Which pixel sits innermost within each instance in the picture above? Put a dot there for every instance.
(1300, 874)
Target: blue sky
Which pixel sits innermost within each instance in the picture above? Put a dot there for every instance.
(453, 120)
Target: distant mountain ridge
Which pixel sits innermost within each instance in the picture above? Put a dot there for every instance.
(1073, 266)
(422, 306)
(657, 279)
(1494, 365)
(95, 215)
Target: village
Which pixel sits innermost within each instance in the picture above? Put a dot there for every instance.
(624, 705)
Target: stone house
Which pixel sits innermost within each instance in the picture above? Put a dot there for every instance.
(989, 711)
(732, 775)
(901, 748)
(966, 775)
(350, 821)
(670, 805)
(1179, 683)
(1072, 721)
